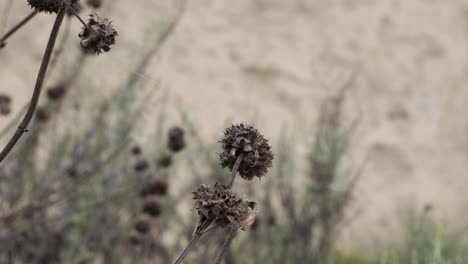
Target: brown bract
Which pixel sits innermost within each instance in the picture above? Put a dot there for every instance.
(220, 205)
(246, 139)
(98, 35)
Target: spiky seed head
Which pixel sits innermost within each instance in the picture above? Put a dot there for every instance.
(136, 150)
(151, 206)
(157, 186)
(5, 104)
(242, 138)
(94, 3)
(42, 115)
(48, 6)
(142, 225)
(220, 205)
(56, 92)
(176, 140)
(165, 160)
(141, 165)
(98, 35)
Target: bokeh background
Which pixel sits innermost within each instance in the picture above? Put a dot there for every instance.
(398, 68)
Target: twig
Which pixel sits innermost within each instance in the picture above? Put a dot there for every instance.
(16, 27)
(227, 243)
(5, 13)
(22, 128)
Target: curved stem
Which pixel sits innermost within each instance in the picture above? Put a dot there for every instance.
(16, 27)
(227, 243)
(22, 128)
(235, 169)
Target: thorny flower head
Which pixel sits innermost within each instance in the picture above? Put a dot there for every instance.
(5, 104)
(246, 139)
(219, 204)
(98, 35)
(176, 141)
(50, 6)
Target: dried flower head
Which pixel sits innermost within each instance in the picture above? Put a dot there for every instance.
(48, 6)
(94, 3)
(156, 186)
(98, 35)
(56, 92)
(5, 104)
(141, 165)
(165, 160)
(142, 225)
(220, 205)
(42, 115)
(176, 141)
(246, 139)
(151, 206)
(136, 150)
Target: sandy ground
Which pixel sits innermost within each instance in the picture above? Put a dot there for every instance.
(275, 60)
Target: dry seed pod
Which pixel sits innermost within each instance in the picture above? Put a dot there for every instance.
(156, 186)
(220, 205)
(141, 165)
(136, 150)
(98, 35)
(41, 114)
(5, 104)
(165, 161)
(142, 225)
(94, 3)
(56, 92)
(246, 139)
(48, 6)
(176, 141)
(151, 206)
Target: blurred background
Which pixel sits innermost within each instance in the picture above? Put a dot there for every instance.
(363, 103)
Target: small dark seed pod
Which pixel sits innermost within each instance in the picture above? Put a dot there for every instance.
(56, 92)
(151, 206)
(141, 165)
(142, 225)
(176, 141)
(156, 186)
(165, 161)
(94, 3)
(42, 115)
(136, 150)
(5, 104)
(247, 140)
(98, 35)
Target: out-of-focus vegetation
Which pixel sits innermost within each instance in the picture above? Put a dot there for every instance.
(89, 184)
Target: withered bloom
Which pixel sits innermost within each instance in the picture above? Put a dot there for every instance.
(49, 6)
(141, 165)
(142, 225)
(246, 139)
(5, 104)
(151, 206)
(136, 150)
(42, 115)
(56, 92)
(220, 205)
(176, 141)
(156, 186)
(165, 160)
(98, 35)
(94, 3)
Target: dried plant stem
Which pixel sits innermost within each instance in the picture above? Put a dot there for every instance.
(22, 128)
(5, 13)
(189, 247)
(16, 27)
(227, 243)
(235, 169)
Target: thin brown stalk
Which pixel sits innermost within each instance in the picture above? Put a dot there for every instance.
(5, 13)
(227, 243)
(22, 128)
(235, 169)
(16, 27)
